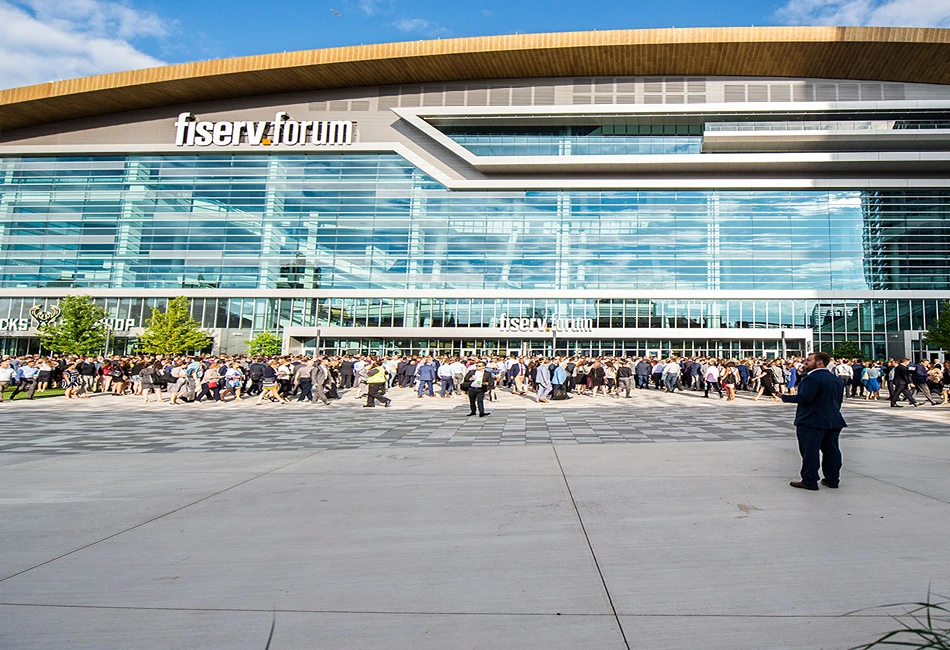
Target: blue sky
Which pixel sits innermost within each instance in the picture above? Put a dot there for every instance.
(47, 40)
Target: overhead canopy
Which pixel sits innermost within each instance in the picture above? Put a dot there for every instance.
(872, 53)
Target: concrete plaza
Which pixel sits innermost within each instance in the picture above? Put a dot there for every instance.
(662, 521)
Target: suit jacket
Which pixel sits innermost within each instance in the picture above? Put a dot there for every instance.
(346, 368)
(543, 378)
(901, 375)
(319, 375)
(819, 401)
(488, 380)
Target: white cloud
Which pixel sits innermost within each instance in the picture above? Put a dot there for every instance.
(47, 40)
(369, 7)
(412, 24)
(420, 25)
(879, 13)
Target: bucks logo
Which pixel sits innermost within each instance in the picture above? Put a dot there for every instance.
(44, 317)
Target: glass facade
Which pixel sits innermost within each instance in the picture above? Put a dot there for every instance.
(376, 222)
(555, 145)
(866, 322)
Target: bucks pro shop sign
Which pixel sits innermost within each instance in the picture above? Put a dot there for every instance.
(191, 132)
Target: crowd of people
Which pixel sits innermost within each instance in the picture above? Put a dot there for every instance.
(320, 380)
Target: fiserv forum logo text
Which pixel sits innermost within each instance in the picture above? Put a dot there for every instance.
(190, 132)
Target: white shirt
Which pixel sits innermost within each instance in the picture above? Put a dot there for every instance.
(6, 374)
(712, 373)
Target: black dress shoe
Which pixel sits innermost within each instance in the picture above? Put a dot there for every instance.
(484, 415)
(803, 486)
(833, 486)
(468, 415)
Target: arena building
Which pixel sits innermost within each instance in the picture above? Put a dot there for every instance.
(731, 191)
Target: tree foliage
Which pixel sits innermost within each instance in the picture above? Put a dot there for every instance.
(79, 330)
(173, 331)
(848, 350)
(938, 336)
(264, 344)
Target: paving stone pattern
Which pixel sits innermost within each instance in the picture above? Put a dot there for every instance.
(124, 424)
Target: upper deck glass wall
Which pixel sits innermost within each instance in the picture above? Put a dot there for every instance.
(374, 221)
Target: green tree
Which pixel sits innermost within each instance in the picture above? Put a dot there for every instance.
(938, 336)
(79, 330)
(847, 350)
(173, 331)
(264, 344)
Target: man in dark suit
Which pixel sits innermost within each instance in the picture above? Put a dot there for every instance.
(901, 384)
(818, 422)
(346, 372)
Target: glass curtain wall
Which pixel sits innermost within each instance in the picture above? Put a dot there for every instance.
(362, 221)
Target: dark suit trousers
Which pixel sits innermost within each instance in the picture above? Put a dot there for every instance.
(811, 443)
(900, 388)
(476, 399)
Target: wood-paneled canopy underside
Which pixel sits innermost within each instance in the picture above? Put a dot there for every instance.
(868, 53)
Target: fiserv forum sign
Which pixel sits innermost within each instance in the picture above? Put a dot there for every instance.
(191, 132)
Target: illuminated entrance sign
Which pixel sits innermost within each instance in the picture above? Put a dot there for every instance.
(544, 324)
(190, 132)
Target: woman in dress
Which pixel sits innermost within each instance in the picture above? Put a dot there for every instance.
(74, 384)
(729, 380)
(151, 377)
(766, 383)
(46, 373)
(873, 385)
(580, 372)
(271, 389)
(598, 379)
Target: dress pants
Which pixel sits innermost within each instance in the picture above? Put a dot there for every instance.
(346, 380)
(28, 385)
(425, 385)
(857, 388)
(924, 389)
(448, 386)
(476, 400)
(900, 388)
(374, 393)
(305, 387)
(811, 442)
(543, 391)
(318, 393)
(624, 384)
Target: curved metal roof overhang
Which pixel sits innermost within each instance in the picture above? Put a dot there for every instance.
(872, 53)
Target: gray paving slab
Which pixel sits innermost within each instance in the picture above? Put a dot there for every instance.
(486, 461)
(46, 513)
(345, 543)
(734, 632)
(43, 628)
(428, 632)
(667, 546)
